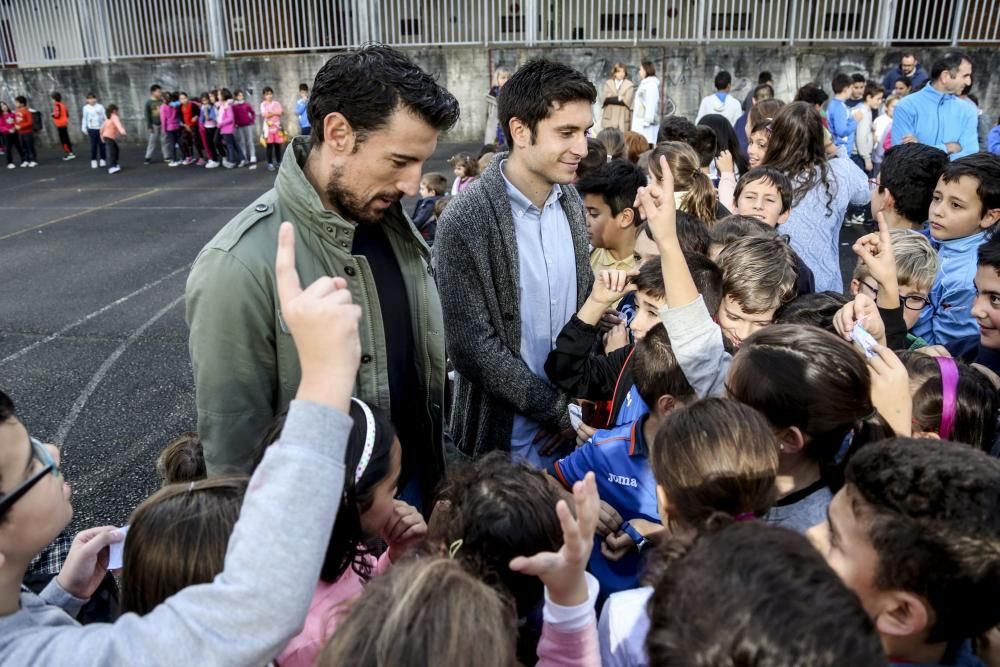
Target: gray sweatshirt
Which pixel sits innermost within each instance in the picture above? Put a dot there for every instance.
(697, 345)
(253, 608)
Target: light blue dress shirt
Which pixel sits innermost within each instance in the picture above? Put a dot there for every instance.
(547, 291)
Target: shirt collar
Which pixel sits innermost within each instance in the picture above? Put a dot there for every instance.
(521, 203)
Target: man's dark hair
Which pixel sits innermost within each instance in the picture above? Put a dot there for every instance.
(723, 80)
(655, 370)
(368, 85)
(705, 144)
(155, 87)
(949, 62)
(775, 177)
(989, 253)
(596, 157)
(929, 508)
(763, 91)
(765, 77)
(756, 595)
(616, 182)
(858, 77)
(677, 128)
(911, 172)
(840, 81)
(817, 309)
(811, 93)
(985, 168)
(529, 95)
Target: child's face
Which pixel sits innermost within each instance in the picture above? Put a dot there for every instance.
(459, 170)
(645, 250)
(874, 101)
(375, 518)
(844, 540)
(267, 97)
(871, 288)
(986, 307)
(900, 88)
(184, 99)
(757, 148)
(891, 109)
(605, 230)
(956, 210)
(239, 96)
(37, 517)
(425, 190)
(91, 100)
(760, 199)
(857, 90)
(647, 313)
(737, 324)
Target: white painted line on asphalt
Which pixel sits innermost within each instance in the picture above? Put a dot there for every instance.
(148, 286)
(95, 380)
(79, 213)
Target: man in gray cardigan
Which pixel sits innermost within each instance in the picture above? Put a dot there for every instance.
(513, 266)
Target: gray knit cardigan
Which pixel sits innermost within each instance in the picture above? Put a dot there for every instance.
(477, 274)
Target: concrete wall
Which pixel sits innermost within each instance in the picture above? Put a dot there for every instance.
(686, 74)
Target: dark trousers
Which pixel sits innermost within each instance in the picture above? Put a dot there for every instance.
(96, 147)
(112, 152)
(211, 134)
(174, 140)
(64, 140)
(190, 142)
(10, 143)
(274, 153)
(233, 152)
(27, 140)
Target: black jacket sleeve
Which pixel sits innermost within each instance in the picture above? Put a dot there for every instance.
(573, 367)
(895, 328)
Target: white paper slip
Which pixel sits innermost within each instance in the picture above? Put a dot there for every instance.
(575, 416)
(116, 552)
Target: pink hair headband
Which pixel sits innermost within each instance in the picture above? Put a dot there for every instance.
(949, 394)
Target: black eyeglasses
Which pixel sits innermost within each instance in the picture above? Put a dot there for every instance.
(41, 454)
(911, 302)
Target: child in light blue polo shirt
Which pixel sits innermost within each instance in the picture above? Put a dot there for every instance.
(618, 456)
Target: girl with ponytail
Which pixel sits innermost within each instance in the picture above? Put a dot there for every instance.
(693, 190)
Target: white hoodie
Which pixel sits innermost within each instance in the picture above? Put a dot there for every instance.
(730, 108)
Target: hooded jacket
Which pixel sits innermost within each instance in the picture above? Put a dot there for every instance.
(936, 119)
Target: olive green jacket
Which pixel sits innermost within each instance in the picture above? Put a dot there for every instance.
(245, 365)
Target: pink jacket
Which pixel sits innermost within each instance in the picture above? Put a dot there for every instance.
(112, 128)
(324, 617)
(169, 118)
(8, 123)
(227, 121)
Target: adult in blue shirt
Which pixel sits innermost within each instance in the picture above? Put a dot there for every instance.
(935, 115)
(908, 67)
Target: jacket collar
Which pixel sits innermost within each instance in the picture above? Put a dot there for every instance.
(964, 243)
(298, 197)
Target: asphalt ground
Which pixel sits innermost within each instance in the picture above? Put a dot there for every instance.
(93, 343)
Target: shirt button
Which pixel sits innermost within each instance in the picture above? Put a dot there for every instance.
(329, 228)
(349, 270)
(366, 358)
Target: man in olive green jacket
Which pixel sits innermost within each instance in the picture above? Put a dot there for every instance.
(245, 365)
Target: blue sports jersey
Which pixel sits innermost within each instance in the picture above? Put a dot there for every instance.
(632, 409)
(618, 458)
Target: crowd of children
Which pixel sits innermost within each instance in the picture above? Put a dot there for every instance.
(773, 468)
(217, 128)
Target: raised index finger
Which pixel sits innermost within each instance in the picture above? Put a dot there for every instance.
(666, 178)
(286, 276)
(884, 237)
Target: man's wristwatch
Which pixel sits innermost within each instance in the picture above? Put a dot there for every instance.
(640, 541)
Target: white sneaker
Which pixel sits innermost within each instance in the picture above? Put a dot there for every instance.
(93, 164)
(103, 163)
(253, 165)
(71, 156)
(24, 163)
(32, 164)
(114, 170)
(175, 163)
(227, 164)
(211, 164)
(12, 166)
(242, 163)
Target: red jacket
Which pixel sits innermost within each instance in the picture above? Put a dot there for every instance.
(189, 113)
(24, 123)
(59, 115)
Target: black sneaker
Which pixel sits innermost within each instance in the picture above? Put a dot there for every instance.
(147, 161)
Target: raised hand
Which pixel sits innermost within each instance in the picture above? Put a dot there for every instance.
(611, 285)
(562, 571)
(862, 310)
(323, 322)
(724, 162)
(875, 250)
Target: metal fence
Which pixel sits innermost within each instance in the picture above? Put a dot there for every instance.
(54, 32)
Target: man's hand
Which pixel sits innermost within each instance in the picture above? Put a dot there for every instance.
(910, 139)
(324, 326)
(953, 147)
(87, 561)
(609, 521)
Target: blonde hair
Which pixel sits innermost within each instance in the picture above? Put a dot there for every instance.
(892, 99)
(699, 198)
(426, 612)
(916, 262)
(758, 273)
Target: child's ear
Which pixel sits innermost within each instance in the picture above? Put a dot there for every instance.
(791, 440)
(625, 219)
(783, 218)
(662, 504)
(855, 287)
(991, 217)
(665, 404)
(902, 614)
(888, 201)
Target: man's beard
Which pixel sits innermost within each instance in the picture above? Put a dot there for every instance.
(350, 205)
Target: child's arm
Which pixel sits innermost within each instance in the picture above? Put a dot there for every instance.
(727, 180)
(696, 340)
(118, 124)
(875, 250)
(569, 634)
